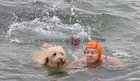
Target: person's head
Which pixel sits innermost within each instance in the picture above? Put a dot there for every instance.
(93, 51)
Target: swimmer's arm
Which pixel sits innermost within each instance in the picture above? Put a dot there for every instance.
(75, 63)
(115, 61)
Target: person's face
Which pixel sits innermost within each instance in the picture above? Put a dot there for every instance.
(91, 55)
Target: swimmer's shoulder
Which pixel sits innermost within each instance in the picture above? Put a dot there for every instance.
(108, 59)
(105, 59)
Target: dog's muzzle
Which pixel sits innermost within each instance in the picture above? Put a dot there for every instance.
(61, 60)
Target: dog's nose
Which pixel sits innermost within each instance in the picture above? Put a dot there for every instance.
(61, 59)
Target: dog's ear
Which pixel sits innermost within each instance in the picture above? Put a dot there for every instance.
(46, 45)
(46, 61)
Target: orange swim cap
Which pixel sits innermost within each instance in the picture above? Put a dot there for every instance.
(96, 45)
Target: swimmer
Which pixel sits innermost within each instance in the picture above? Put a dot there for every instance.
(93, 56)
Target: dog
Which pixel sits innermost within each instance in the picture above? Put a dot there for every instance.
(52, 56)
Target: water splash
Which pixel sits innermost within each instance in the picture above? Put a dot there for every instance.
(47, 27)
(119, 53)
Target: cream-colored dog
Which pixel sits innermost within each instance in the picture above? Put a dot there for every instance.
(53, 56)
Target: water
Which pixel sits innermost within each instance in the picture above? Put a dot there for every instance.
(26, 24)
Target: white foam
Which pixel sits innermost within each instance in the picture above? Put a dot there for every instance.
(119, 53)
(47, 26)
(15, 40)
(72, 11)
(55, 19)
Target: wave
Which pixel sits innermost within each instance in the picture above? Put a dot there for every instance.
(50, 28)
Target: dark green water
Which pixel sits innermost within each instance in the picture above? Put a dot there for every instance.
(26, 24)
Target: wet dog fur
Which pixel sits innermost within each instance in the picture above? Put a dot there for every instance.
(52, 56)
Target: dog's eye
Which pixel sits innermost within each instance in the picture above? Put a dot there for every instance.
(62, 54)
(54, 54)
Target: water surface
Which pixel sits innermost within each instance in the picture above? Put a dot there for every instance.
(26, 24)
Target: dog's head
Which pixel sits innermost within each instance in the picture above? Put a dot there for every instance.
(56, 57)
